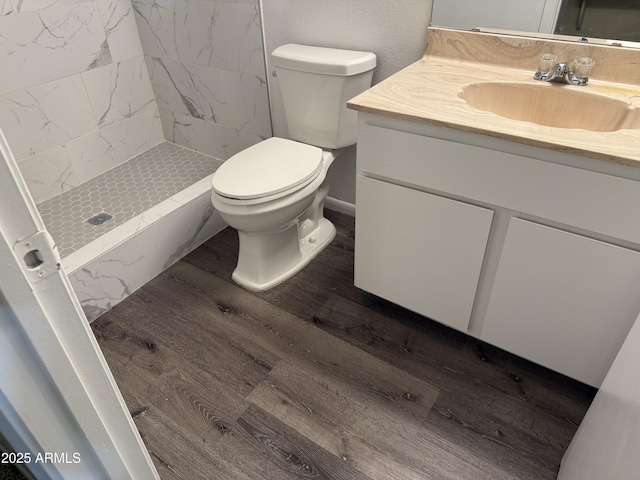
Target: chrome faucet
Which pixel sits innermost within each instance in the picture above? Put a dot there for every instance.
(549, 71)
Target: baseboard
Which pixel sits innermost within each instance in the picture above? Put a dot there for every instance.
(340, 206)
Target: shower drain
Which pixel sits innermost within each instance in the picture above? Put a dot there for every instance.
(99, 219)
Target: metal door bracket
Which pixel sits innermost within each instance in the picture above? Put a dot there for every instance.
(38, 256)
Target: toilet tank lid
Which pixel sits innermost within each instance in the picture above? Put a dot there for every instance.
(327, 61)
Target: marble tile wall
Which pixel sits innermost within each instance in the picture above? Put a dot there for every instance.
(206, 63)
(75, 93)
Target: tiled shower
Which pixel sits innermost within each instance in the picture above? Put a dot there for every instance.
(98, 99)
(206, 63)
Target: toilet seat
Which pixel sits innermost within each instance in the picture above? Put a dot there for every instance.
(248, 177)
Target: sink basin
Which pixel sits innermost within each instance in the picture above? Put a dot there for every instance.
(553, 105)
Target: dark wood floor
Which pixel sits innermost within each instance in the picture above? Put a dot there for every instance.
(318, 379)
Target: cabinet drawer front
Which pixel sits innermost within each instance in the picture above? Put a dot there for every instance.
(419, 250)
(593, 201)
(562, 300)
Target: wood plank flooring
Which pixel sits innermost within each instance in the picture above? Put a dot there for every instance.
(318, 379)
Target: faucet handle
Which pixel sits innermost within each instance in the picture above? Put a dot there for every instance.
(546, 62)
(582, 66)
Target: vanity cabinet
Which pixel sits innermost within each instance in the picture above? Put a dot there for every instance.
(416, 249)
(531, 250)
(562, 300)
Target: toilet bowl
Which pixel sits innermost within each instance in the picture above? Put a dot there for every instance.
(273, 193)
(280, 225)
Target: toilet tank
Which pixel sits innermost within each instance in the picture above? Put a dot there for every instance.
(316, 83)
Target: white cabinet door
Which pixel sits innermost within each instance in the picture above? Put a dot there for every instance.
(562, 300)
(418, 250)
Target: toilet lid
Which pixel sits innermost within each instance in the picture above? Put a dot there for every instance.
(267, 168)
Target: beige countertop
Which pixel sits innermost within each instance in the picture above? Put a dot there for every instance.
(428, 91)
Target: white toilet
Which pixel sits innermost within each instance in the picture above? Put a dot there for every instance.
(273, 192)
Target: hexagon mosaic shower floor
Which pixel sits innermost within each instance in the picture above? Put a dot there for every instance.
(122, 193)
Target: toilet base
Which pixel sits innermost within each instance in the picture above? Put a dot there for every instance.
(268, 260)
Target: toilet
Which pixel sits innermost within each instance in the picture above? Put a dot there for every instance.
(273, 192)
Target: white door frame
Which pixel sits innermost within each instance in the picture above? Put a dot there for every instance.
(39, 309)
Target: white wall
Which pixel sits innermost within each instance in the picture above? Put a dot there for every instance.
(394, 30)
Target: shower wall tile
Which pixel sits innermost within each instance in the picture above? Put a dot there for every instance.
(207, 137)
(248, 94)
(243, 38)
(6, 7)
(202, 32)
(205, 59)
(156, 22)
(229, 99)
(237, 140)
(167, 121)
(219, 34)
(37, 47)
(119, 91)
(45, 116)
(100, 151)
(189, 89)
(48, 174)
(120, 28)
(199, 135)
(21, 6)
(74, 90)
